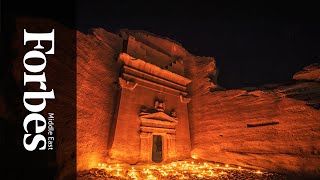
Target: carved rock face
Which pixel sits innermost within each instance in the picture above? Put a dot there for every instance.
(158, 107)
(311, 73)
(255, 128)
(218, 120)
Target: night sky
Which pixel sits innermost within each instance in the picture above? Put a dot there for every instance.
(253, 43)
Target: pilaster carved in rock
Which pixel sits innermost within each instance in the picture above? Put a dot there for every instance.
(145, 150)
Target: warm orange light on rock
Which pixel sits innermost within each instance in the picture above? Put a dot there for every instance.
(221, 117)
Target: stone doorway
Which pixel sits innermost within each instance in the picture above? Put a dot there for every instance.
(157, 134)
(157, 148)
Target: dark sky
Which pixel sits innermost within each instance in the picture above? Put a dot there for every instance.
(253, 43)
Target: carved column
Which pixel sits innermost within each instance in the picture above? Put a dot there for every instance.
(145, 150)
(171, 146)
(164, 147)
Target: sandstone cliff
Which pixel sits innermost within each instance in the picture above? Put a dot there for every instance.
(97, 75)
(276, 128)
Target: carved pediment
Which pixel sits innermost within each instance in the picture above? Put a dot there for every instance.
(157, 120)
(161, 116)
(159, 106)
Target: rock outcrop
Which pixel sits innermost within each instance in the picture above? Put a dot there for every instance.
(97, 76)
(311, 72)
(275, 128)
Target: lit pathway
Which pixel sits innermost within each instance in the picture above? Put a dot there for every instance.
(175, 170)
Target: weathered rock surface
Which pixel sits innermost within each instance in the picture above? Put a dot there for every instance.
(276, 129)
(97, 72)
(311, 72)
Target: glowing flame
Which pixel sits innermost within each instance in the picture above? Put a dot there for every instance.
(194, 157)
(174, 170)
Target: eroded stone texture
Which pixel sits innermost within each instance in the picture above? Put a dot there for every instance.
(275, 129)
(311, 72)
(97, 71)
